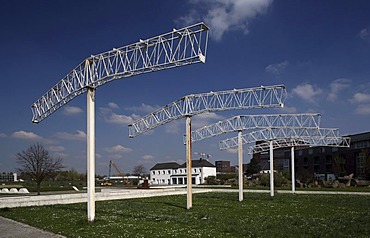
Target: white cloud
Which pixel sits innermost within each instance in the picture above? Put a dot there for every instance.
(364, 34)
(56, 148)
(112, 117)
(363, 109)
(79, 135)
(26, 135)
(288, 109)
(336, 87)
(204, 119)
(118, 149)
(224, 15)
(113, 105)
(278, 68)
(232, 151)
(143, 108)
(361, 98)
(71, 110)
(307, 92)
(148, 157)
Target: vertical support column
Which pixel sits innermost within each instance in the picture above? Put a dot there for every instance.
(240, 162)
(90, 154)
(188, 163)
(271, 169)
(293, 169)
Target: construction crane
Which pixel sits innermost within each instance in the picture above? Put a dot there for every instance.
(111, 163)
(203, 155)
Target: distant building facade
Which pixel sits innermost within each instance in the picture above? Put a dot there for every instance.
(172, 173)
(323, 162)
(224, 166)
(8, 177)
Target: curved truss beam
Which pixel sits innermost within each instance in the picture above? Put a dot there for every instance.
(269, 134)
(258, 97)
(177, 48)
(248, 122)
(295, 142)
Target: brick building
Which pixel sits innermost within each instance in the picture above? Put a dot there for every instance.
(323, 162)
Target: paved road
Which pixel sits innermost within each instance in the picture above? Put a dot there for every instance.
(13, 229)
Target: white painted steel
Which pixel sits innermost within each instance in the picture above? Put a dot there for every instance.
(293, 168)
(188, 164)
(252, 122)
(240, 163)
(303, 141)
(90, 154)
(268, 134)
(248, 98)
(177, 48)
(271, 170)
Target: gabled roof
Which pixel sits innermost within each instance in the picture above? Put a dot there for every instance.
(198, 164)
(169, 165)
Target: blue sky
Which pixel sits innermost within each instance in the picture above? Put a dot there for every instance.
(319, 49)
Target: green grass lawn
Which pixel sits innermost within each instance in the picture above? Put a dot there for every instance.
(212, 215)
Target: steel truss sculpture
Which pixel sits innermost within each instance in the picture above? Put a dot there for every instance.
(177, 48)
(276, 136)
(249, 122)
(259, 97)
(269, 134)
(300, 142)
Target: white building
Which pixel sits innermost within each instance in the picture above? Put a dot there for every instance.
(172, 173)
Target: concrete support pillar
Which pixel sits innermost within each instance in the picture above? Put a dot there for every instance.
(188, 163)
(90, 154)
(271, 169)
(240, 163)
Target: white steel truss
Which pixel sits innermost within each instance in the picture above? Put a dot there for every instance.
(294, 142)
(249, 122)
(177, 48)
(269, 134)
(258, 97)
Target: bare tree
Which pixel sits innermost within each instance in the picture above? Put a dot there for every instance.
(139, 170)
(37, 162)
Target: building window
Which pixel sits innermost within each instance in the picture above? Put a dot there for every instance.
(329, 159)
(362, 144)
(153, 172)
(322, 149)
(360, 165)
(310, 151)
(300, 152)
(305, 162)
(316, 164)
(169, 171)
(334, 149)
(200, 170)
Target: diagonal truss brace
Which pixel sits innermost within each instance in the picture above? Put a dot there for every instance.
(177, 48)
(295, 142)
(249, 122)
(279, 133)
(258, 97)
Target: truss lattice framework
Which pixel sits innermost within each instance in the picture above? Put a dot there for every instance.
(290, 142)
(177, 48)
(258, 97)
(248, 122)
(279, 133)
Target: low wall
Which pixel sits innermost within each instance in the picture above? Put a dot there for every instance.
(105, 194)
